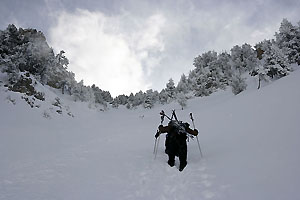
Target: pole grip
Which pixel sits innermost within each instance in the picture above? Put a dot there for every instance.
(191, 115)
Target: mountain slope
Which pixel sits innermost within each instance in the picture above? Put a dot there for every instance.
(250, 144)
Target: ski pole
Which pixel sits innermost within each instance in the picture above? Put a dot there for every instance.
(162, 113)
(191, 115)
(156, 147)
(155, 144)
(158, 132)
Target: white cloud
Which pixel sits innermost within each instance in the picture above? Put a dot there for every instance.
(113, 52)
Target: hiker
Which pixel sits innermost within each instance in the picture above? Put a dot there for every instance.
(176, 141)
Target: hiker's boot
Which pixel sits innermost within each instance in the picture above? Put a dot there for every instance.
(182, 165)
(171, 163)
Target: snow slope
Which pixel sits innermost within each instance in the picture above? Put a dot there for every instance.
(250, 144)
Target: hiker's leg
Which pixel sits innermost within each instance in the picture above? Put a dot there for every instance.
(171, 154)
(167, 144)
(182, 156)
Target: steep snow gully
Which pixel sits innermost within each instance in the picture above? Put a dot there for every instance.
(250, 144)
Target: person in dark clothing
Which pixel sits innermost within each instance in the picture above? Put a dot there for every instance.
(176, 141)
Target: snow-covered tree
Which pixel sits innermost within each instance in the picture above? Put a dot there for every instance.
(182, 85)
(202, 86)
(139, 99)
(98, 93)
(273, 59)
(149, 99)
(82, 93)
(120, 100)
(163, 97)
(202, 61)
(212, 72)
(115, 104)
(243, 58)
(288, 40)
(276, 62)
(130, 101)
(214, 75)
(170, 90)
(192, 79)
(226, 74)
(203, 80)
(62, 59)
(238, 84)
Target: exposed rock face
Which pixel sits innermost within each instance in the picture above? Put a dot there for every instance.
(25, 85)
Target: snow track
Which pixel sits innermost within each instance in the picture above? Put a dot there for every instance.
(168, 183)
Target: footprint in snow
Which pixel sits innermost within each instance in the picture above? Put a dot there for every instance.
(208, 194)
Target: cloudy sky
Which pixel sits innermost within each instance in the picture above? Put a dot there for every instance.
(126, 46)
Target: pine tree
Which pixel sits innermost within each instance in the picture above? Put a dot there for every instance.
(149, 100)
(201, 73)
(202, 85)
(182, 85)
(170, 90)
(192, 79)
(114, 103)
(273, 59)
(163, 97)
(243, 58)
(276, 63)
(130, 101)
(226, 71)
(202, 61)
(138, 99)
(98, 94)
(80, 92)
(288, 40)
(121, 99)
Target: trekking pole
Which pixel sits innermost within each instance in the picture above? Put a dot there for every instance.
(156, 147)
(155, 144)
(158, 132)
(162, 113)
(191, 115)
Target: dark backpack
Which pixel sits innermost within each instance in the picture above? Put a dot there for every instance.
(177, 135)
(178, 127)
